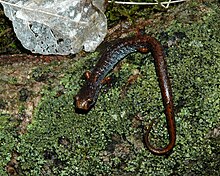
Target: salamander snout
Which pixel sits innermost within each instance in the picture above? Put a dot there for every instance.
(83, 104)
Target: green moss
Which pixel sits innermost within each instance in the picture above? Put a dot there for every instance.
(108, 140)
(118, 12)
(7, 141)
(8, 40)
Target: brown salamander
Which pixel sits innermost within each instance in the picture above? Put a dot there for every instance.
(88, 94)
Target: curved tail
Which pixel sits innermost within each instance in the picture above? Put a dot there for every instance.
(171, 130)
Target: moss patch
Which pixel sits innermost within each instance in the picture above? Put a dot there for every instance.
(108, 140)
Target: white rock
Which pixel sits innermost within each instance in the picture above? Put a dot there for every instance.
(57, 27)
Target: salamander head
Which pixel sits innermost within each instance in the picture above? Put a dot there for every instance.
(86, 97)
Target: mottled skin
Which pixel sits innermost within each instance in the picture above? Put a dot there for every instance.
(88, 94)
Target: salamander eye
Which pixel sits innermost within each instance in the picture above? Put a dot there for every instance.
(76, 98)
(89, 101)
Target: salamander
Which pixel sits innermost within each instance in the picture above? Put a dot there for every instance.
(88, 94)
